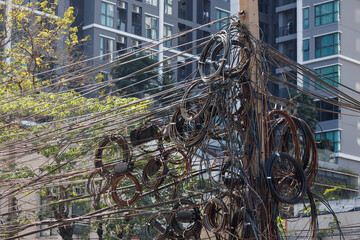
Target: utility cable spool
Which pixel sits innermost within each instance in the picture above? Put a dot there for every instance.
(129, 191)
(238, 60)
(157, 227)
(216, 216)
(154, 172)
(190, 227)
(122, 151)
(187, 133)
(286, 178)
(98, 183)
(206, 56)
(195, 100)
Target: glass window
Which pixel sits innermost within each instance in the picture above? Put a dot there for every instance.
(306, 51)
(152, 2)
(221, 14)
(122, 16)
(107, 14)
(151, 27)
(334, 138)
(327, 13)
(330, 75)
(306, 18)
(106, 46)
(327, 45)
(327, 111)
(120, 44)
(168, 31)
(168, 6)
(136, 20)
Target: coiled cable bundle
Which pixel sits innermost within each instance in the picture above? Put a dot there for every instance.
(185, 220)
(286, 178)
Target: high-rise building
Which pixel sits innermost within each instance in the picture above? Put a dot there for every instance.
(325, 36)
(114, 25)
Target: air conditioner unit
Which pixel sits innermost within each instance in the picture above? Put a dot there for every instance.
(120, 39)
(122, 4)
(136, 9)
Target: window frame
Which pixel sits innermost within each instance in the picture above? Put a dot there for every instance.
(320, 15)
(220, 24)
(122, 21)
(334, 46)
(151, 28)
(106, 19)
(306, 21)
(331, 111)
(168, 7)
(110, 45)
(167, 33)
(335, 141)
(306, 51)
(332, 78)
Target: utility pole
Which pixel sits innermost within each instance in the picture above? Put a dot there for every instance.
(251, 19)
(251, 16)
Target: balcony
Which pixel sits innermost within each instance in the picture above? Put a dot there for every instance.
(286, 33)
(286, 30)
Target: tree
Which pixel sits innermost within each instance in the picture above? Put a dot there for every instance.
(139, 82)
(30, 36)
(305, 109)
(42, 116)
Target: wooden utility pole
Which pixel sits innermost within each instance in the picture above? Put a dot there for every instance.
(251, 16)
(251, 19)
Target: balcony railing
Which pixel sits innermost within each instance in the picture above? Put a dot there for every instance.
(280, 3)
(286, 30)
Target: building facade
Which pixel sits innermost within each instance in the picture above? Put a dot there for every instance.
(324, 36)
(116, 25)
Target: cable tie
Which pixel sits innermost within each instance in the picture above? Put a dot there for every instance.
(269, 178)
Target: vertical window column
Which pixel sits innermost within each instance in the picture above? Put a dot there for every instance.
(107, 14)
(106, 46)
(168, 6)
(136, 20)
(122, 16)
(221, 14)
(306, 18)
(306, 49)
(151, 27)
(168, 31)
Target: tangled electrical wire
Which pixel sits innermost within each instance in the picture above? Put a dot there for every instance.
(215, 132)
(212, 157)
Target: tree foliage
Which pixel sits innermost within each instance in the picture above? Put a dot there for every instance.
(305, 109)
(41, 116)
(30, 35)
(130, 65)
